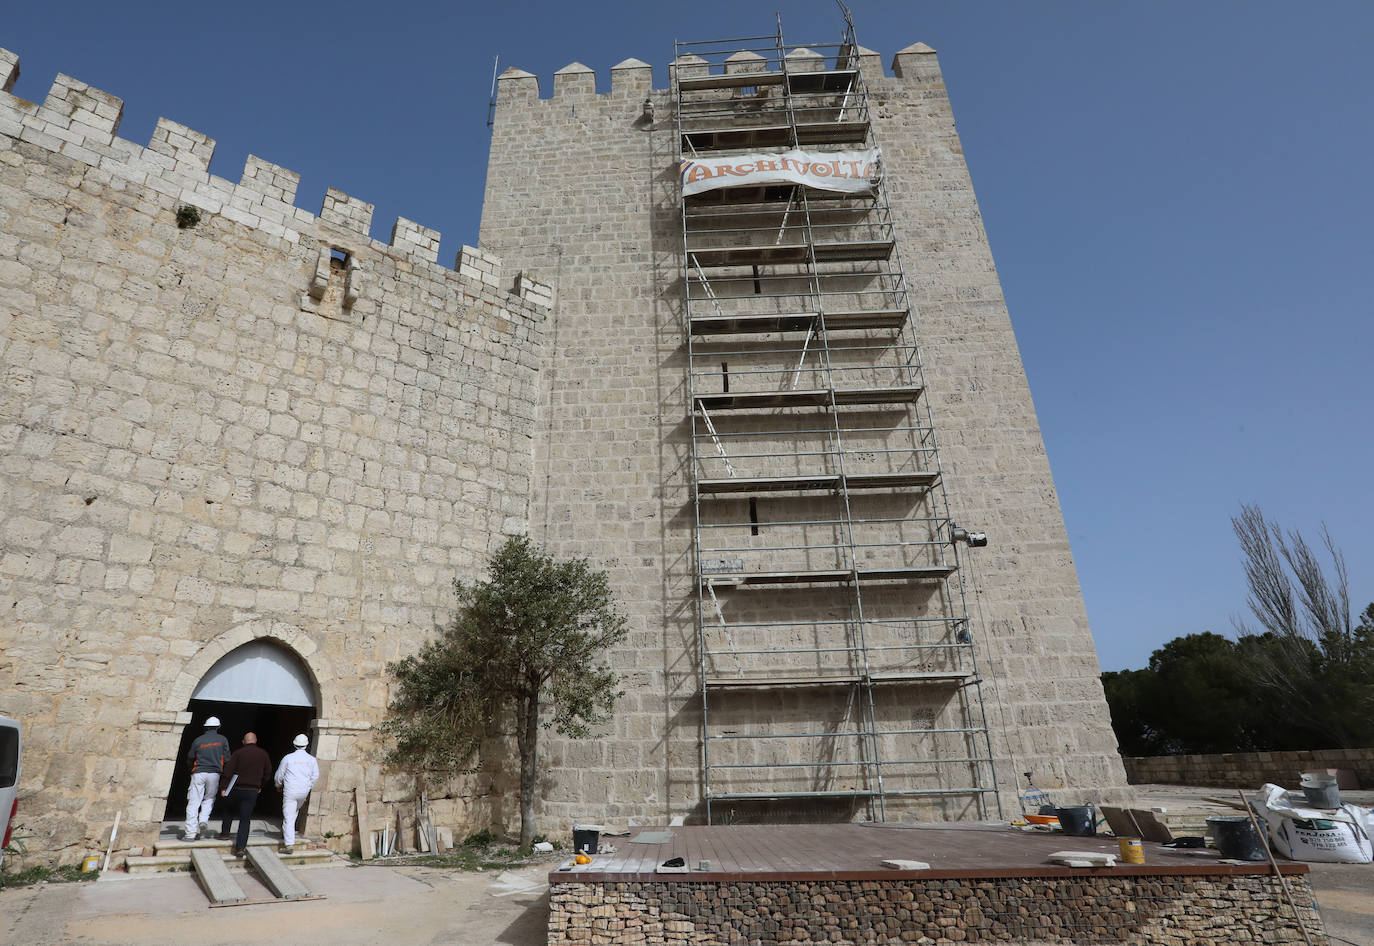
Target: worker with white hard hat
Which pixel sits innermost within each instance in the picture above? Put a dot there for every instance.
(296, 775)
(206, 756)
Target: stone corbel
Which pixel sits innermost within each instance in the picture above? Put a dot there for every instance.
(163, 720)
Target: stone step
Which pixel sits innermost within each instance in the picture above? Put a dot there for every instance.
(175, 846)
(181, 860)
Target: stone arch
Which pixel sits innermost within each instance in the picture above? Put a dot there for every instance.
(316, 664)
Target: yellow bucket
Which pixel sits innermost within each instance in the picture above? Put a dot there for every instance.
(1131, 851)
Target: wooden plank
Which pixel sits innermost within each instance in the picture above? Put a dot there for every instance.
(275, 874)
(214, 878)
(258, 903)
(366, 843)
(854, 852)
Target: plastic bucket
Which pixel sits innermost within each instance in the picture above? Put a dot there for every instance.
(585, 838)
(1321, 790)
(1078, 821)
(1236, 838)
(1131, 851)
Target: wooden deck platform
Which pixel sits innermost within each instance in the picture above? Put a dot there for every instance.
(856, 852)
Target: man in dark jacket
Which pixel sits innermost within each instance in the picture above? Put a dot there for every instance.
(246, 772)
(206, 755)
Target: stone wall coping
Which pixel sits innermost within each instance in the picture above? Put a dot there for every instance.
(574, 878)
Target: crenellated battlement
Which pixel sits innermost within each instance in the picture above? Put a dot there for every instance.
(81, 123)
(633, 77)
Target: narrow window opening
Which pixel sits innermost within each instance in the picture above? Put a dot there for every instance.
(758, 284)
(725, 377)
(338, 259)
(753, 516)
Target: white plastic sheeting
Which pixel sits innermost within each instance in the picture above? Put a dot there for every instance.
(258, 672)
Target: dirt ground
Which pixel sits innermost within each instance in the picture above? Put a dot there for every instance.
(362, 905)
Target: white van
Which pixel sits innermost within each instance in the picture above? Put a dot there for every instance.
(11, 752)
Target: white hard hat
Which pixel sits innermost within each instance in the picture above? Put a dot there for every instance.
(212, 722)
(300, 741)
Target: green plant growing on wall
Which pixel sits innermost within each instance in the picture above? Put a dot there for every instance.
(525, 651)
(187, 216)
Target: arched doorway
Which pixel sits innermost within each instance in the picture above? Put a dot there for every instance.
(260, 687)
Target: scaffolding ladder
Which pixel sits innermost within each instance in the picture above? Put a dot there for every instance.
(838, 674)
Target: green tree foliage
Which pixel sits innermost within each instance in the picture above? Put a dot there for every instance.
(1302, 677)
(525, 651)
(1199, 695)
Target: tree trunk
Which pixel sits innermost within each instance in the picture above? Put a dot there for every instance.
(527, 738)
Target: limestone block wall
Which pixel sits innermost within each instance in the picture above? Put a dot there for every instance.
(581, 188)
(1029, 621)
(265, 425)
(1250, 770)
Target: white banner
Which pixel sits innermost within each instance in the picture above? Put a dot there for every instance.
(851, 172)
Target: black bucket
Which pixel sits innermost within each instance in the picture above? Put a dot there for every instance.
(1236, 838)
(1078, 821)
(585, 838)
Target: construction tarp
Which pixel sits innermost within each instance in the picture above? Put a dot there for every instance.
(852, 172)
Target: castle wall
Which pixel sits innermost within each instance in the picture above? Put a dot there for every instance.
(265, 425)
(581, 188)
(269, 425)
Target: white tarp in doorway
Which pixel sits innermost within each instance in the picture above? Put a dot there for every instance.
(257, 672)
(853, 172)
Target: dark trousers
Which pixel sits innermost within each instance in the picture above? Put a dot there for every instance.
(240, 805)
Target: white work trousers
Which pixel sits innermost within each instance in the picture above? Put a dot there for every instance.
(290, 804)
(200, 798)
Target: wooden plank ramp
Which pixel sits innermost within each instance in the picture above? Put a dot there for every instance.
(275, 874)
(214, 878)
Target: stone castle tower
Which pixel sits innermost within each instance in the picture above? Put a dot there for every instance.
(245, 456)
(744, 434)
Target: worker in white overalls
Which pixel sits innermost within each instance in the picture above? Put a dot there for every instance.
(296, 775)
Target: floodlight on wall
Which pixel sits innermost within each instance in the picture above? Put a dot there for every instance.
(974, 540)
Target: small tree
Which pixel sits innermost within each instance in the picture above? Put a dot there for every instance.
(527, 647)
(1321, 666)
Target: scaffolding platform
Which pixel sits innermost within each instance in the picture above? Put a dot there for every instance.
(818, 482)
(763, 400)
(832, 576)
(769, 323)
(801, 341)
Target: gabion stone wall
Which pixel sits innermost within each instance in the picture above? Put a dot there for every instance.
(1021, 911)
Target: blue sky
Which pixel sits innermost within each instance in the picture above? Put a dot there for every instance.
(1177, 194)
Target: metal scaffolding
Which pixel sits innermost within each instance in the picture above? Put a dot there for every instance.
(836, 660)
